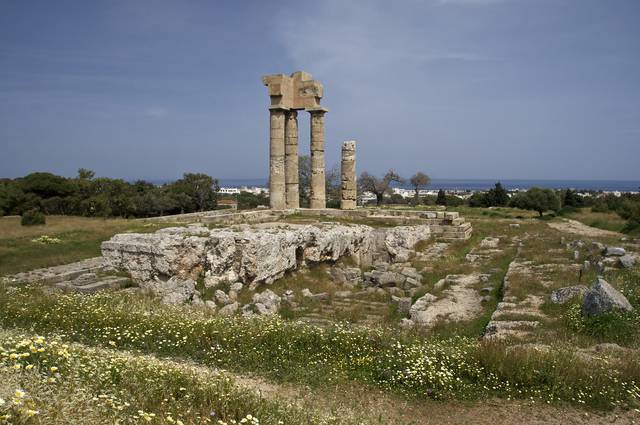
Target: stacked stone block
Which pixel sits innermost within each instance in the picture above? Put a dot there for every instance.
(348, 193)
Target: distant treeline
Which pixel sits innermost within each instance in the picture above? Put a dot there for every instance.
(560, 202)
(89, 196)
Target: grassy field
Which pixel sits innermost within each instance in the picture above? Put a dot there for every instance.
(601, 220)
(127, 357)
(79, 237)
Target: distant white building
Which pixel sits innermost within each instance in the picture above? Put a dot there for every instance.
(255, 190)
(235, 190)
(229, 190)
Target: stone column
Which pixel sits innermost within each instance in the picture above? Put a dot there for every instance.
(291, 159)
(276, 159)
(348, 190)
(318, 196)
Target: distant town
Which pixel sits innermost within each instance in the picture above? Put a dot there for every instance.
(463, 194)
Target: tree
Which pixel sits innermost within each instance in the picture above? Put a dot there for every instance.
(200, 189)
(85, 174)
(537, 199)
(571, 199)
(442, 198)
(497, 197)
(247, 200)
(419, 180)
(46, 185)
(333, 187)
(478, 200)
(304, 180)
(379, 187)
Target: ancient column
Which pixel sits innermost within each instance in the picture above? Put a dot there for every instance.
(348, 176)
(277, 186)
(291, 159)
(318, 198)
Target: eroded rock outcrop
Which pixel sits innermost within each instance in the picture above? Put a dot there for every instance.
(251, 254)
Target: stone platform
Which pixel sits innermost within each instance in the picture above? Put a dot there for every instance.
(444, 225)
(86, 276)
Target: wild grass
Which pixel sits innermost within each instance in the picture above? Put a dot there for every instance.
(453, 368)
(80, 238)
(617, 327)
(601, 220)
(45, 380)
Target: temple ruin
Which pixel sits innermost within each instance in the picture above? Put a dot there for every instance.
(289, 94)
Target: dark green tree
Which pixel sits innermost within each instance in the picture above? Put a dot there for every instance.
(442, 198)
(85, 174)
(571, 199)
(46, 185)
(201, 190)
(537, 199)
(497, 197)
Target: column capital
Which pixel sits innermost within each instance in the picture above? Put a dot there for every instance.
(278, 108)
(317, 110)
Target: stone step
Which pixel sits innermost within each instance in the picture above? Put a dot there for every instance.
(352, 301)
(110, 282)
(57, 274)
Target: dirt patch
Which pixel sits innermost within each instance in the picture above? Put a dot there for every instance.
(460, 302)
(578, 228)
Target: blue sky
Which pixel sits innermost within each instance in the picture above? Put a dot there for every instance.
(456, 88)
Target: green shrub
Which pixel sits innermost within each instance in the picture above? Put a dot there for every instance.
(32, 218)
(599, 206)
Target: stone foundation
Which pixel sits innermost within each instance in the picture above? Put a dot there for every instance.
(253, 254)
(443, 224)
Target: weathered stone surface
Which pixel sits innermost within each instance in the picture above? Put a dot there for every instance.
(266, 302)
(614, 251)
(174, 290)
(403, 304)
(401, 240)
(277, 182)
(165, 253)
(350, 276)
(563, 295)
(421, 305)
(229, 309)
(322, 296)
(62, 273)
(236, 286)
(490, 242)
(222, 298)
(252, 255)
(291, 159)
(317, 195)
(296, 91)
(604, 298)
(348, 192)
(627, 261)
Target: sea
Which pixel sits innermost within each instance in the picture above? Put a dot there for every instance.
(482, 184)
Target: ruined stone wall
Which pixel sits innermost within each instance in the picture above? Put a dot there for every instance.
(252, 254)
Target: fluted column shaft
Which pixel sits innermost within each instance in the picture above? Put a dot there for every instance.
(277, 185)
(291, 160)
(348, 188)
(318, 196)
